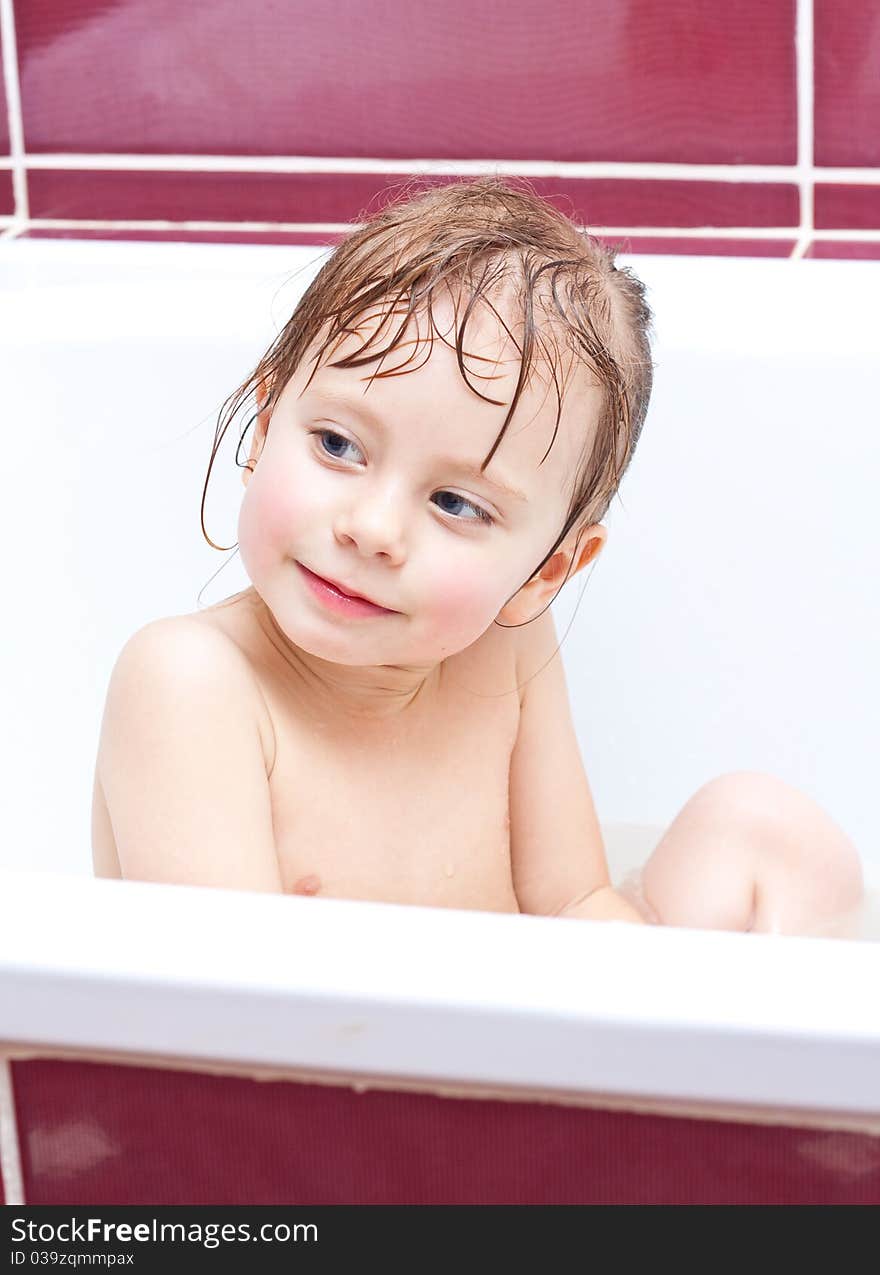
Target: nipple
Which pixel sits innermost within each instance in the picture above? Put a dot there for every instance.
(307, 885)
(449, 869)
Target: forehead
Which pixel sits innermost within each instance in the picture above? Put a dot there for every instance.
(420, 384)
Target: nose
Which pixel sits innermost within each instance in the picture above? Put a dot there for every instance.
(372, 521)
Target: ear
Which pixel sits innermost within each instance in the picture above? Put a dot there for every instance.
(261, 428)
(576, 550)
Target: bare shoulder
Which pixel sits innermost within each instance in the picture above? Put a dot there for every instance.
(556, 847)
(185, 642)
(180, 765)
(180, 652)
(190, 650)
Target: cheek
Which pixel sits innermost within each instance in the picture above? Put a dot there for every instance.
(271, 515)
(463, 595)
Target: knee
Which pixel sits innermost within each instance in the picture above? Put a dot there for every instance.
(754, 799)
(773, 814)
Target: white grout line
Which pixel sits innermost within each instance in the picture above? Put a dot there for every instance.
(805, 122)
(249, 227)
(337, 165)
(733, 233)
(340, 165)
(10, 1157)
(16, 158)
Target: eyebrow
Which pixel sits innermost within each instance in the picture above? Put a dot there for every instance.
(366, 412)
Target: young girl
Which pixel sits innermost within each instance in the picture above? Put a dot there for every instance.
(440, 429)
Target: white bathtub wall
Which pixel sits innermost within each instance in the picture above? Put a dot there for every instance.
(732, 621)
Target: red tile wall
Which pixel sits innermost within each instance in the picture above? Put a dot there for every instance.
(390, 86)
(847, 123)
(7, 200)
(4, 114)
(99, 1133)
(368, 77)
(839, 205)
(332, 198)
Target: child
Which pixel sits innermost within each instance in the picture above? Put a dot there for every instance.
(383, 713)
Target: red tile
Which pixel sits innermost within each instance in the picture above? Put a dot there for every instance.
(7, 198)
(708, 247)
(682, 81)
(847, 83)
(200, 196)
(626, 202)
(852, 251)
(95, 1133)
(847, 207)
(343, 198)
(4, 118)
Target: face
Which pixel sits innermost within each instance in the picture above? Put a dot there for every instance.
(376, 489)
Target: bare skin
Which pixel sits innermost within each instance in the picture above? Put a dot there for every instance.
(750, 852)
(377, 822)
(746, 852)
(426, 755)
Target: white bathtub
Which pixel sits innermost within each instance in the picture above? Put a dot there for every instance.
(732, 622)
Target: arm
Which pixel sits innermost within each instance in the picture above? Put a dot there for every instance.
(181, 763)
(557, 855)
(604, 904)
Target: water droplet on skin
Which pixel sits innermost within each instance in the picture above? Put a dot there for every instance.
(449, 869)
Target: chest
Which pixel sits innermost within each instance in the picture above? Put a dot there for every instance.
(419, 816)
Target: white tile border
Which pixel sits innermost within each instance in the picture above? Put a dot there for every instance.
(805, 121)
(417, 167)
(303, 227)
(10, 1157)
(16, 158)
(15, 227)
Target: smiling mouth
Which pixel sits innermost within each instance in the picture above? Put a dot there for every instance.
(342, 593)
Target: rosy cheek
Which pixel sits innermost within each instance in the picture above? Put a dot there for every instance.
(463, 596)
(282, 507)
(268, 519)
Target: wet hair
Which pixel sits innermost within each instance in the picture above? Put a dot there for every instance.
(480, 237)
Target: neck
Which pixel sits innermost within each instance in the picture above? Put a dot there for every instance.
(361, 694)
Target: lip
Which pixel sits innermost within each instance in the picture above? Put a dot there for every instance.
(340, 599)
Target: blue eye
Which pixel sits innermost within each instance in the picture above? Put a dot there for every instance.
(329, 433)
(322, 434)
(482, 516)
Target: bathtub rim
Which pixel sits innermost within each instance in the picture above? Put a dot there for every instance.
(695, 1018)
